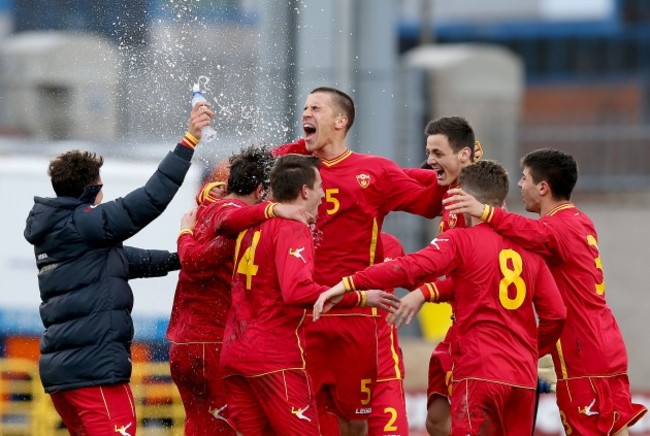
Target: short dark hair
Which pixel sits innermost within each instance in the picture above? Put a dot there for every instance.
(290, 173)
(486, 180)
(74, 170)
(556, 168)
(457, 130)
(248, 169)
(343, 102)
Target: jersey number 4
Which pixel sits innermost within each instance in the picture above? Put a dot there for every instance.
(246, 264)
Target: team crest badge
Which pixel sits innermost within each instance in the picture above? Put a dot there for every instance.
(453, 219)
(364, 180)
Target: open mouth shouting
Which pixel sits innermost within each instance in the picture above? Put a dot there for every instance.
(310, 130)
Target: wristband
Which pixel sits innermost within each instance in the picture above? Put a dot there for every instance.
(269, 210)
(348, 284)
(364, 299)
(425, 292)
(189, 140)
(430, 292)
(186, 232)
(488, 212)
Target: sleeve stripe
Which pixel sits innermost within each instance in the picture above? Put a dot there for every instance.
(268, 210)
(348, 284)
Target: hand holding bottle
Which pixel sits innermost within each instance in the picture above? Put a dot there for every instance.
(207, 133)
(200, 119)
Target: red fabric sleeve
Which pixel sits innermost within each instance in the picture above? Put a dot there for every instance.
(200, 256)
(441, 291)
(407, 271)
(294, 261)
(550, 309)
(297, 147)
(403, 193)
(230, 218)
(532, 234)
(350, 299)
(425, 177)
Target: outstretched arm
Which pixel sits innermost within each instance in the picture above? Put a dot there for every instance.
(435, 292)
(538, 235)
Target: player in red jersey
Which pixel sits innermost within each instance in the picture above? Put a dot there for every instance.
(451, 146)
(360, 190)
(263, 362)
(202, 297)
(499, 289)
(593, 392)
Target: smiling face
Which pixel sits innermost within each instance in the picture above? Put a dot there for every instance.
(444, 160)
(322, 122)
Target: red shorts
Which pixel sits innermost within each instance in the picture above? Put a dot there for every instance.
(440, 366)
(341, 357)
(275, 403)
(486, 408)
(97, 410)
(390, 363)
(195, 371)
(388, 417)
(597, 405)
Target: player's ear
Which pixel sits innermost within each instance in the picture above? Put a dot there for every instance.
(341, 121)
(465, 154)
(259, 191)
(304, 192)
(544, 188)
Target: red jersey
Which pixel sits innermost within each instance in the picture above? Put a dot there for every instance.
(497, 283)
(591, 343)
(202, 297)
(272, 286)
(360, 190)
(451, 220)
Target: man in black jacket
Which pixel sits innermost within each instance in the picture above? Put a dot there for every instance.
(83, 273)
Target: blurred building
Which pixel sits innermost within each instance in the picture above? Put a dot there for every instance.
(587, 65)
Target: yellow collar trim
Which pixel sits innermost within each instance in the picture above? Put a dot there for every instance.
(560, 207)
(328, 163)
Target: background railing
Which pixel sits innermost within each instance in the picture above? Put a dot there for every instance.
(25, 409)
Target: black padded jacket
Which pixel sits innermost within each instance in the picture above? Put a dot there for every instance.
(83, 273)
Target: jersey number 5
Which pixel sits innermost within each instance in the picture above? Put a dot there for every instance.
(334, 204)
(511, 267)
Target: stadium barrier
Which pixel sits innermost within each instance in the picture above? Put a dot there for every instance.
(26, 410)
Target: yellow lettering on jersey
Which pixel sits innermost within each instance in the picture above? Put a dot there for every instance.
(600, 287)
(246, 264)
(511, 266)
(390, 425)
(330, 198)
(365, 389)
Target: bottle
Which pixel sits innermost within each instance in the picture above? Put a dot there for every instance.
(208, 133)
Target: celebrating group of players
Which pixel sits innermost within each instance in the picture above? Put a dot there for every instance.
(299, 227)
